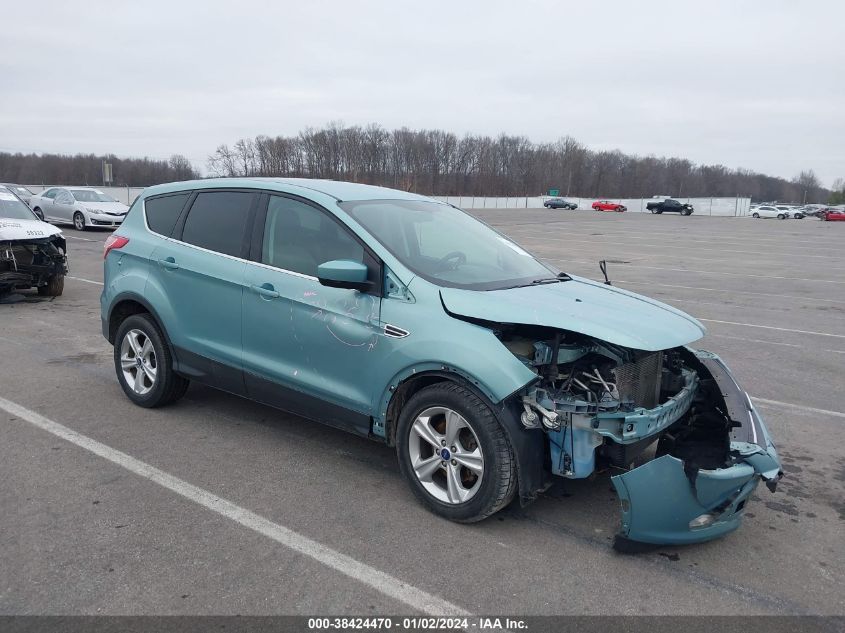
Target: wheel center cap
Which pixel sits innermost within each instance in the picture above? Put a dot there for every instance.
(138, 361)
(445, 455)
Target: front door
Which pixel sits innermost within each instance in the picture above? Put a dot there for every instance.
(308, 348)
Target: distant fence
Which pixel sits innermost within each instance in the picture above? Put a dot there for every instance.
(731, 207)
(725, 207)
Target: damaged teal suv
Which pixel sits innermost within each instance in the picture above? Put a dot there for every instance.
(406, 320)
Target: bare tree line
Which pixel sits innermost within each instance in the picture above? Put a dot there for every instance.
(439, 162)
(86, 169)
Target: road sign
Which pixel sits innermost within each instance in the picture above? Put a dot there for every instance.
(554, 192)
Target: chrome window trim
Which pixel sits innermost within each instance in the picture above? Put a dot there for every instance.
(227, 256)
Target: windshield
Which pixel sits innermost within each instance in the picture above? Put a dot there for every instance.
(90, 195)
(446, 246)
(11, 208)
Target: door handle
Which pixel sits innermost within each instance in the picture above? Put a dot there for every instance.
(267, 291)
(168, 263)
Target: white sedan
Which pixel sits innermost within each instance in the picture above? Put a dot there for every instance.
(83, 207)
(767, 211)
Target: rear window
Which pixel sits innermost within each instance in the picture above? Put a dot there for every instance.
(218, 220)
(162, 213)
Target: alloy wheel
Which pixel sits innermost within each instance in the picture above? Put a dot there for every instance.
(446, 455)
(138, 362)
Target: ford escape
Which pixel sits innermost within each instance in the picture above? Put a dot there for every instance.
(406, 320)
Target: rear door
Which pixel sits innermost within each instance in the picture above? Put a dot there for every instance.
(308, 348)
(199, 273)
(63, 206)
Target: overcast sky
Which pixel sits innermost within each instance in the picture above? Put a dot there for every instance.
(746, 84)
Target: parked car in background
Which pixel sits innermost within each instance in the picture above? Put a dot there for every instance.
(813, 210)
(560, 203)
(491, 374)
(791, 212)
(669, 205)
(833, 214)
(83, 207)
(768, 211)
(20, 191)
(32, 252)
(607, 205)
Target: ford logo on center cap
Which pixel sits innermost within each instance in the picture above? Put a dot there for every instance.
(445, 455)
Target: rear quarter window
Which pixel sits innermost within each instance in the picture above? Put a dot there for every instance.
(163, 212)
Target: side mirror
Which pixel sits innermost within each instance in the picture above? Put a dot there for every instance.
(343, 273)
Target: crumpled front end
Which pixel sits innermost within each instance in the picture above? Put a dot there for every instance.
(697, 493)
(30, 263)
(702, 446)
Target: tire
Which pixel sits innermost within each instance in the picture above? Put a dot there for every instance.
(489, 492)
(781, 216)
(79, 221)
(167, 385)
(37, 211)
(54, 287)
(755, 215)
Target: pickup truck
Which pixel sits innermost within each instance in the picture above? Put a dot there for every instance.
(669, 204)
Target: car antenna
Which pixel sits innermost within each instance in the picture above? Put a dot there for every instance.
(603, 266)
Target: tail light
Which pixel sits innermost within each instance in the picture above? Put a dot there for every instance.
(114, 242)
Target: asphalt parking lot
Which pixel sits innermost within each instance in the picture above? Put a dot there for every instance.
(83, 530)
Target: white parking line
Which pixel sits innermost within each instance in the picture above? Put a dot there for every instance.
(629, 246)
(789, 405)
(732, 291)
(386, 584)
(757, 340)
(771, 327)
(84, 239)
(564, 262)
(87, 281)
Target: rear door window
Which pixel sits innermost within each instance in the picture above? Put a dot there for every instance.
(163, 212)
(218, 221)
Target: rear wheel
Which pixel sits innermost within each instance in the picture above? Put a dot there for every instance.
(54, 287)
(455, 454)
(144, 364)
(37, 211)
(755, 215)
(79, 221)
(781, 216)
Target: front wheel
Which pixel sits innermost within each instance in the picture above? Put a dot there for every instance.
(144, 364)
(54, 287)
(79, 221)
(454, 453)
(781, 216)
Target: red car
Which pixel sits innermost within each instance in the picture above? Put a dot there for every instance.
(831, 215)
(607, 205)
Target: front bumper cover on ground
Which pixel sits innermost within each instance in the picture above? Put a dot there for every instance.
(665, 503)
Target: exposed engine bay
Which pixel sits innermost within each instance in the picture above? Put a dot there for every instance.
(602, 405)
(31, 263)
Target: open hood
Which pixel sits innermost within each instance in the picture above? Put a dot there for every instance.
(12, 230)
(603, 312)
